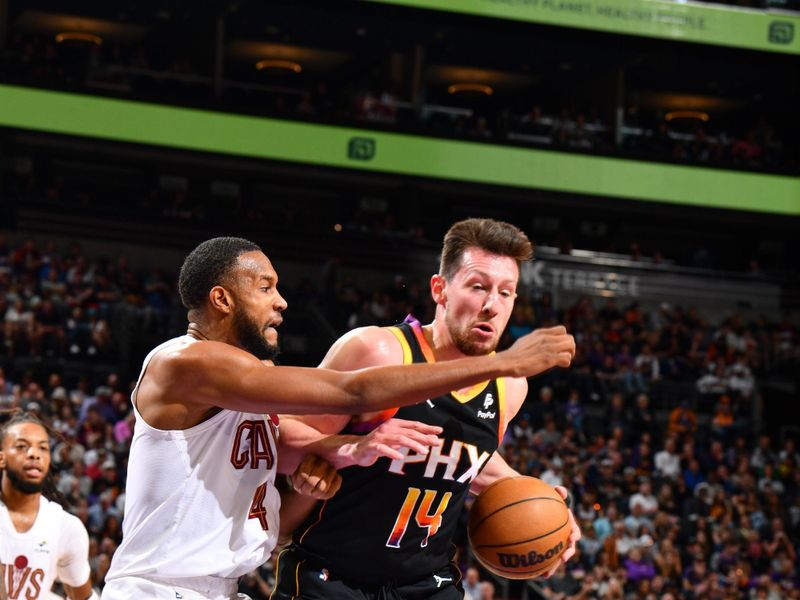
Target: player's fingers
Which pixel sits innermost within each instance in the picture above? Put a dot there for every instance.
(304, 484)
(323, 487)
(564, 359)
(327, 485)
(576, 534)
(388, 452)
(564, 344)
(555, 330)
(552, 571)
(420, 438)
(568, 553)
(423, 428)
(310, 472)
(301, 475)
(398, 441)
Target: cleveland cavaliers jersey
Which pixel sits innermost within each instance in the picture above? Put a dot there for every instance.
(55, 547)
(395, 520)
(201, 501)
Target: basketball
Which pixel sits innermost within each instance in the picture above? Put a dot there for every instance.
(519, 527)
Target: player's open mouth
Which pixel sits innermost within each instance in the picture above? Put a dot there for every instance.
(32, 471)
(484, 328)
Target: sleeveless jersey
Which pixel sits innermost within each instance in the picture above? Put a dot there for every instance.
(56, 547)
(395, 520)
(199, 502)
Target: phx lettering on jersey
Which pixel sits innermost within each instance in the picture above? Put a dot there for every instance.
(20, 580)
(451, 460)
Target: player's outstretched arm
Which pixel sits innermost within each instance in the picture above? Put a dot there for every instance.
(220, 375)
(358, 349)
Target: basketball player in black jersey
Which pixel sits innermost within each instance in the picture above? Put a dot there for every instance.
(388, 533)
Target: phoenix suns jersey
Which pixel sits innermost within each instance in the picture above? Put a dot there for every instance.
(395, 520)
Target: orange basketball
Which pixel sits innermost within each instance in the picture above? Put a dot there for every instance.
(518, 527)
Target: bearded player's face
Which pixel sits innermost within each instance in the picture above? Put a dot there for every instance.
(25, 457)
(258, 307)
(479, 299)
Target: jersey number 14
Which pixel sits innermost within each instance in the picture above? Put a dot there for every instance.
(422, 516)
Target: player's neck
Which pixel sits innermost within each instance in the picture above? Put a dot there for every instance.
(19, 502)
(215, 331)
(440, 342)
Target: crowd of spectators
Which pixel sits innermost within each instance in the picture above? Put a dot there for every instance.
(694, 141)
(133, 70)
(680, 500)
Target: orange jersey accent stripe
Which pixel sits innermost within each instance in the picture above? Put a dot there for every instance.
(357, 423)
(407, 355)
(427, 352)
(501, 408)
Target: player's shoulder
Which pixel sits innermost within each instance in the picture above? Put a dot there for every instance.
(516, 391)
(73, 524)
(51, 517)
(188, 357)
(364, 347)
(71, 528)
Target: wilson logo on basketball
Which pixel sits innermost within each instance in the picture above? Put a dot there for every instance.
(533, 558)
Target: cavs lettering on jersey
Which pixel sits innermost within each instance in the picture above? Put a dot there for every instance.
(56, 547)
(200, 501)
(395, 520)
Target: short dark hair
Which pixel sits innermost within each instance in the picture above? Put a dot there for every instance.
(493, 236)
(208, 265)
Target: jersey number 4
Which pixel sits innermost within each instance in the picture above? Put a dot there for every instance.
(423, 516)
(257, 510)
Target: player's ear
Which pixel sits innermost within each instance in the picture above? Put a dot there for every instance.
(221, 299)
(439, 289)
(2, 460)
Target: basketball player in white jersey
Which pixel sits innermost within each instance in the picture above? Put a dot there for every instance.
(201, 507)
(39, 541)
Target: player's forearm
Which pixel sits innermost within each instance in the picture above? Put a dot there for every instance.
(336, 449)
(496, 468)
(389, 387)
(299, 439)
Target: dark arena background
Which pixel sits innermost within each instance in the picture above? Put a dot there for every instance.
(651, 149)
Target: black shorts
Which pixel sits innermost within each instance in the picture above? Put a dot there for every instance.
(300, 578)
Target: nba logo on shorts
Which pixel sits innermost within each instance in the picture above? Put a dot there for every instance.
(323, 574)
(488, 401)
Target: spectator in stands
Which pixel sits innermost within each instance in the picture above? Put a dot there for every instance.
(682, 420)
(472, 584)
(487, 590)
(667, 461)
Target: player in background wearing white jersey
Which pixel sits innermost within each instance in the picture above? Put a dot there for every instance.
(39, 541)
(201, 507)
